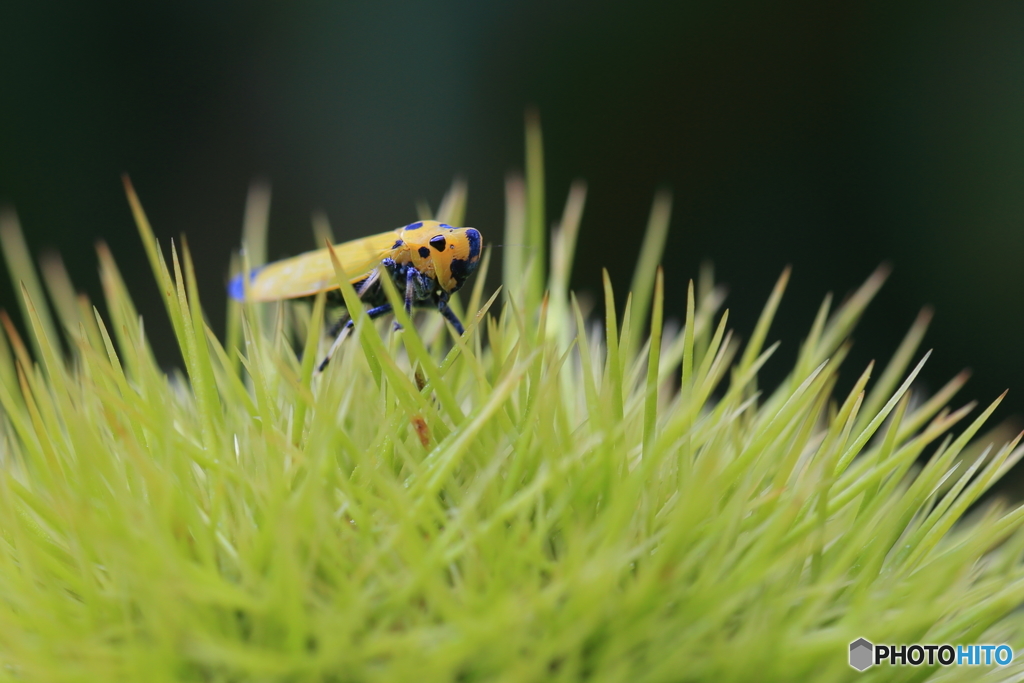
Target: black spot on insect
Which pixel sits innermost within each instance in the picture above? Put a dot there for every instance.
(414, 226)
(461, 269)
(424, 252)
(397, 244)
(438, 242)
(458, 268)
(473, 237)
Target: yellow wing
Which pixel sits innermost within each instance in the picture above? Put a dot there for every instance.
(312, 272)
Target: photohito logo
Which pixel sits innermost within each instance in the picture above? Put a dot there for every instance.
(864, 653)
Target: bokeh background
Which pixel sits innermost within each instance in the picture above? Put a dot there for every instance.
(829, 136)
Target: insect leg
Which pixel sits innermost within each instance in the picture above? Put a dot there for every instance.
(410, 292)
(373, 313)
(442, 306)
(338, 324)
(361, 288)
(410, 288)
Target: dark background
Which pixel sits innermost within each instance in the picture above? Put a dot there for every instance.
(829, 136)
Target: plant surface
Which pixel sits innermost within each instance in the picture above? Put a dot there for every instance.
(554, 496)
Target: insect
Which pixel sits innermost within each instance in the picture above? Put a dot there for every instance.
(426, 260)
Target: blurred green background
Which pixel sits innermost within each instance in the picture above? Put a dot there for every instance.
(829, 136)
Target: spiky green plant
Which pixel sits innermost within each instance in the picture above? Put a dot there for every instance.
(552, 497)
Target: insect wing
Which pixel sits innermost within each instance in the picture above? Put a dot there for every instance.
(312, 272)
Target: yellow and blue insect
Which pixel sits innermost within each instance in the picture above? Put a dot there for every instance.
(426, 260)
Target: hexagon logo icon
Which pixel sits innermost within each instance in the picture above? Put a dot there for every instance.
(861, 654)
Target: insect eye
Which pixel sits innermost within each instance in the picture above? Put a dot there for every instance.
(438, 242)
